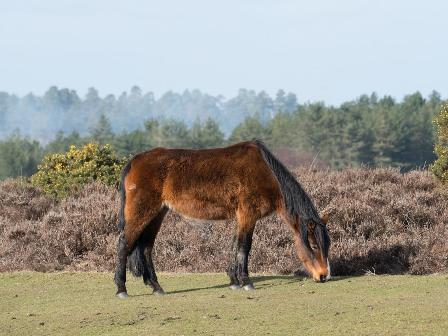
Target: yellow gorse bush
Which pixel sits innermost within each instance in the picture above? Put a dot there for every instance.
(440, 166)
(59, 174)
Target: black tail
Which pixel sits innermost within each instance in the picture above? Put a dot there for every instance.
(136, 258)
(137, 261)
(124, 172)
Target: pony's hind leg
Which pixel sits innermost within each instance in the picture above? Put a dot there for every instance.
(149, 236)
(139, 211)
(120, 272)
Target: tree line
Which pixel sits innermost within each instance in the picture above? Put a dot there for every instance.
(370, 130)
(40, 117)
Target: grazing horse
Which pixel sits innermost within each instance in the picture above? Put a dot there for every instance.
(243, 182)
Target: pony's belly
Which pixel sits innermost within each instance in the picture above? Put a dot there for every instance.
(201, 210)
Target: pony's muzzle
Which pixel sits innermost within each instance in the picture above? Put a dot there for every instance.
(321, 279)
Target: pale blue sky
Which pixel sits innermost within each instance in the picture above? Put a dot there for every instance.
(320, 50)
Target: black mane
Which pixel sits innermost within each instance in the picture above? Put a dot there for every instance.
(297, 202)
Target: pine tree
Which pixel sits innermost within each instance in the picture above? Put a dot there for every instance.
(205, 135)
(174, 134)
(102, 132)
(19, 156)
(248, 130)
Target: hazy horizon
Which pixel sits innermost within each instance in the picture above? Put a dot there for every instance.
(323, 51)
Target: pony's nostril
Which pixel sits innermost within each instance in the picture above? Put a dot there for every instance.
(323, 278)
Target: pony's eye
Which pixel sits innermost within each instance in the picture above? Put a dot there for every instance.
(314, 246)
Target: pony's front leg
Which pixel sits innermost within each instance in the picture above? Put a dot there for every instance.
(244, 244)
(233, 267)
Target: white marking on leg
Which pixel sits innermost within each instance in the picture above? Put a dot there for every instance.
(234, 287)
(160, 292)
(122, 295)
(329, 271)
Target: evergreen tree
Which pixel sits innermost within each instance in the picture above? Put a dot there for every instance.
(175, 134)
(250, 129)
(62, 143)
(206, 135)
(102, 132)
(19, 156)
(132, 142)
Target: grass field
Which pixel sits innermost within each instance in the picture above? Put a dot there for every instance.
(201, 304)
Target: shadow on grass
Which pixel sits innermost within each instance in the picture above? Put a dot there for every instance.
(260, 282)
(187, 290)
(391, 260)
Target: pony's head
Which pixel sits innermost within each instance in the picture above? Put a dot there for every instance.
(313, 249)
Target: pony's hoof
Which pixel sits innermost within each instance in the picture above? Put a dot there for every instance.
(122, 295)
(159, 292)
(234, 287)
(249, 287)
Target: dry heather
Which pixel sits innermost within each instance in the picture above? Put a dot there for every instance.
(381, 221)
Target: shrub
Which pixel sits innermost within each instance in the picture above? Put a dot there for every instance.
(381, 221)
(440, 166)
(59, 174)
(21, 201)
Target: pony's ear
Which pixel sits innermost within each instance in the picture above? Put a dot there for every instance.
(325, 218)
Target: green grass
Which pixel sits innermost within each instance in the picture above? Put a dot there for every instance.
(198, 304)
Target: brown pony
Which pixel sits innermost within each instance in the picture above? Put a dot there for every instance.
(244, 181)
